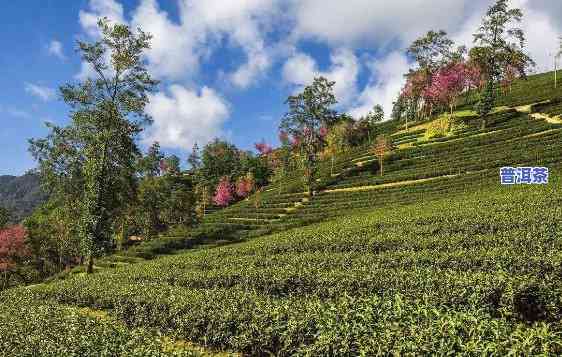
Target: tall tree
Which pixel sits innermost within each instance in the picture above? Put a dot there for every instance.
(172, 165)
(309, 112)
(194, 159)
(434, 50)
(98, 147)
(219, 159)
(149, 165)
(501, 42)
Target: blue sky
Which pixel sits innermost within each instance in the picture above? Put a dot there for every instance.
(228, 66)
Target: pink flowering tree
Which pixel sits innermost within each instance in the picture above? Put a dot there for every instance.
(447, 85)
(223, 194)
(263, 148)
(12, 250)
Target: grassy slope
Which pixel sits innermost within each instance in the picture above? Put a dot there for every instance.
(452, 264)
(477, 273)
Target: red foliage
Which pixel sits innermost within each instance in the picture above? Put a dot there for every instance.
(223, 194)
(263, 148)
(244, 186)
(12, 246)
(323, 132)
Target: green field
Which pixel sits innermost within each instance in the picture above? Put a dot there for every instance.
(433, 257)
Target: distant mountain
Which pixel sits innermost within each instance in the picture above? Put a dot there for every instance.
(20, 194)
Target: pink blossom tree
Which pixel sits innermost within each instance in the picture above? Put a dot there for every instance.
(447, 84)
(223, 194)
(263, 148)
(12, 249)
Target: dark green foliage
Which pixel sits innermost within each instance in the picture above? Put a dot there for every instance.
(310, 112)
(149, 164)
(5, 217)
(92, 162)
(486, 102)
(219, 159)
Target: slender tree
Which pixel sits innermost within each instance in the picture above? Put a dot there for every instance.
(309, 112)
(194, 159)
(98, 149)
(149, 165)
(383, 146)
(501, 42)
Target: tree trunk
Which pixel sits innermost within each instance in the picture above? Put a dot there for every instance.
(380, 165)
(90, 267)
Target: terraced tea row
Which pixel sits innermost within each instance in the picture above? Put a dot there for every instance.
(466, 274)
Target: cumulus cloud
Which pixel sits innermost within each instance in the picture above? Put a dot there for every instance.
(110, 9)
(376, 22)
(384, 86)
(270, 31)
(173, 53)
(300, 70)
(42, 92)
(55, 49)
(184, 116)
(540, 30)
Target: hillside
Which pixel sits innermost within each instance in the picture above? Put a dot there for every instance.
(20, 194)
(435, 256)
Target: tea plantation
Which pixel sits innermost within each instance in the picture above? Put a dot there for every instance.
(433, 257)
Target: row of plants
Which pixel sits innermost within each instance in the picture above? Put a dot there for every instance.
(477, 275)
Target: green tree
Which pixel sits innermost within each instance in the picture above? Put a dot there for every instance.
(98, 147)
(486, 102)
(53, 236)
(219, 159)
(149, 165)
(172, 165)
(150, 201)
(434, 50)
(194, 159)
(178, 201)
(310, 112)
(501, 42)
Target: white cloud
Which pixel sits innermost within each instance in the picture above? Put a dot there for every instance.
(111, 9)
(376, 21)
(42, 92)
(300, 70)
(184, 116)
(385, 84)
(55, 49)
(540, 30)
(173, 52)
